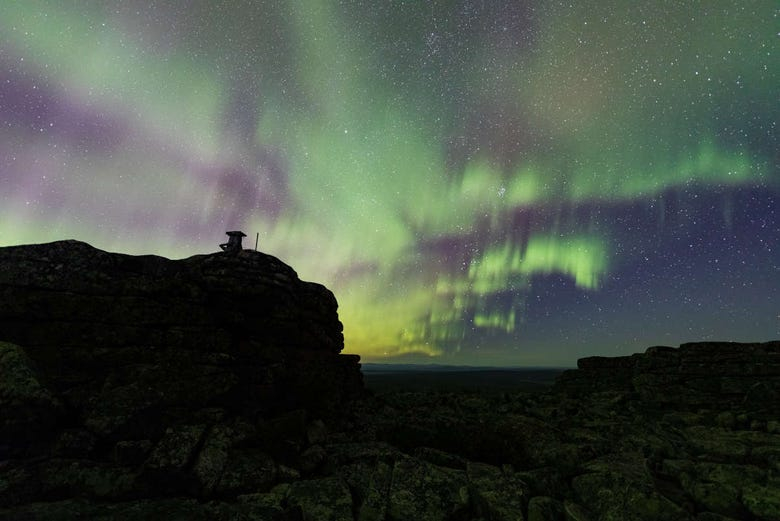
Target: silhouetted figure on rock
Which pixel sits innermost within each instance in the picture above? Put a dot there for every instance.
(234, 242)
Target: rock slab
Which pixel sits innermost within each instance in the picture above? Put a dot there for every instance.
(120, 347)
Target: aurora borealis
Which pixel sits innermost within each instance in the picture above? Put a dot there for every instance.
(487, 183)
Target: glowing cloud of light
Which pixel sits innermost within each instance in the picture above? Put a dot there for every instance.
(436, 166)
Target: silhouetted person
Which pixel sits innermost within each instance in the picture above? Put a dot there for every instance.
(234, 242)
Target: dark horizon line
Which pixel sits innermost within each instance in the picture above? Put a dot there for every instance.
(390, 366)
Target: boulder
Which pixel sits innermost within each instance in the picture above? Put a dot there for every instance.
(420, 490)
(28, 409)
(495, 494)
(246, 471)
(545, 508)
(324, 499)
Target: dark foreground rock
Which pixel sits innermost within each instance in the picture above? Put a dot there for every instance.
(132, 377)
(158, 339)
(213, 388)
(689, 433)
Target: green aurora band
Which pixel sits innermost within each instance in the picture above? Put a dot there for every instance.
(372, 186)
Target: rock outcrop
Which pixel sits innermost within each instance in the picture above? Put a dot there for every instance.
(211, 388)
(112, 350)
(212, 330)
(692, 376)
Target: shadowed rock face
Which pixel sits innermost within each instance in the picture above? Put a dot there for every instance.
(125, 345)
(68, 293)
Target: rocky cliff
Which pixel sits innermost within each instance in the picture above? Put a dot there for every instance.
(118, 347)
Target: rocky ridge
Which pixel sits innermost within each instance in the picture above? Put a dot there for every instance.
(691, 376)
(213, 388)
(109, 362)
(235, 330)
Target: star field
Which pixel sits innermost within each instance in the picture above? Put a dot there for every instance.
(485, 183)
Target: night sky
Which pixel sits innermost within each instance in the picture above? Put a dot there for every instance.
(478, 182)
